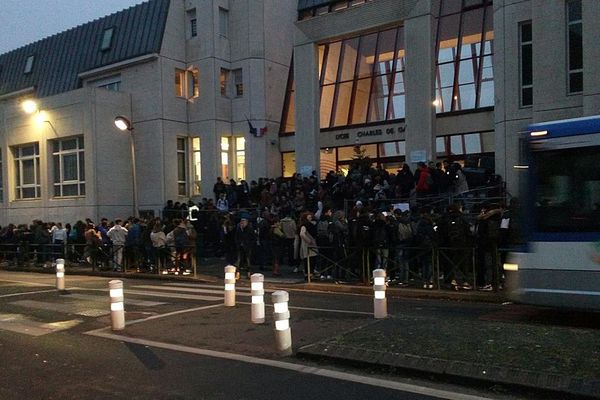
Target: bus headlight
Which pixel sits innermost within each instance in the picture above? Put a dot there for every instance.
(511, 267)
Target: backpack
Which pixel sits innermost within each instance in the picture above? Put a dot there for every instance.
(405, 232)
(456, 228)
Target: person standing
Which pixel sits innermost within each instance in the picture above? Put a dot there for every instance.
(245, 240)
(118, 236)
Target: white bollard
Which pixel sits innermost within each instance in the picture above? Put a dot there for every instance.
(379, 302)
(281, 315)
(258, 300)
(117, 308)
(229, 286)
(60, 274)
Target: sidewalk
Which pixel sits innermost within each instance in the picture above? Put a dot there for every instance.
(564, 360)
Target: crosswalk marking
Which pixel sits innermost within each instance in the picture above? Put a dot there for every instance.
(173, 295)
(218, 287)
(20, 324)
(106, 299)
(185, 289)
(71, 308)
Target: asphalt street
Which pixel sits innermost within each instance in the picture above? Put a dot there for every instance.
(180, 342)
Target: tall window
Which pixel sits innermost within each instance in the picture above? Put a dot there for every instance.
(238, 81)
(288, 114)
(197, 167)
(192, 23)
(224, 82)
(575, 46)
(27, 171)
(223, 22)
(69, 167)
(233, 148)
(240, 158)
(526, 63)
(182, 180)
(187, 83)
(464, 74)
(107, 36)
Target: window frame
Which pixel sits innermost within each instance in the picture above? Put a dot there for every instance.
(223, 22)
(29, 62)
(238, 82)
(224, 77)
(182, 158)
(18, 159)
(108, 35)
(571, 71)
(522, 45)
(59, 155)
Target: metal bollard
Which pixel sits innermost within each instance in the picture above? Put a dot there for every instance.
(379, 302)
(281, 315)
(258, 301)
(60, 274)
(229, 286)
(117, 309)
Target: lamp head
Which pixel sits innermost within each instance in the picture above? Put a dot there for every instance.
(123, 123)
(29, 106)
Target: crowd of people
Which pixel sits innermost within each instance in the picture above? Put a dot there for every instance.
(316, 226)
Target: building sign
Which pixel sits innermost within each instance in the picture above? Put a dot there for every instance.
(418, 156)
(371, 132)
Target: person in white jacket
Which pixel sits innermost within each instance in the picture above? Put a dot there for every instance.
(117, 235)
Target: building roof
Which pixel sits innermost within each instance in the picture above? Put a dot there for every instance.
(306, 4)
(58, 59)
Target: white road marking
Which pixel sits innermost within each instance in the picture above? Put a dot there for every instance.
(318, 309)
(216, 287)
(322, 372)
(137, 321)
(27, 293)
(72, 308)
(20, 324)
(25, 283)
(106, 299)
(173, 295)
(186, 289)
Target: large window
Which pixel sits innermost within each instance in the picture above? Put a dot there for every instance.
(69, 167)
(238, 82)
(27, 171)
(575, 46)
(471, 149)
(187, 83)
(526, 63)
(224, 82)
(197, 167)
(568, 190)
(233, 148)
(109, 83)
(192, 23)
(464, 74)
(361, 80)
(182, 176)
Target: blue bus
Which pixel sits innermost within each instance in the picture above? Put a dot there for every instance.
(560, 265)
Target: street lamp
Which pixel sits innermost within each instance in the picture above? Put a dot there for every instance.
(124, 124)
(29, 106)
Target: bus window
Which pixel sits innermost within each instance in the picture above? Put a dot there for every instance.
(568, 190)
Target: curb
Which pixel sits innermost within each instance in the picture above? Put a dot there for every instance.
(457, 369)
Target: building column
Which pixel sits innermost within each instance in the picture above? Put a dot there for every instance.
(306, 74)
(419, 78)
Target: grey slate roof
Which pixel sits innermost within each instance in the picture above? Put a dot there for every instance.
(61, 57)
(305, 4)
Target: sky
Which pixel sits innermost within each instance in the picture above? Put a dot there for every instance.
(26, 21)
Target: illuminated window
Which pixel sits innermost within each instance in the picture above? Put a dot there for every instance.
(464, 73)
(187, 83)
(197, 167)
(575, 46)
(69, 167)
(224, 81)
(240, 158)
(288, 162)
(182, 180)
(526, 64)
(361, 79)
(29, 65)
(27, 171)
(225, 157)
(107, 36)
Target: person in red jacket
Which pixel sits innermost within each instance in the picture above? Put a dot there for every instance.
(425, 180)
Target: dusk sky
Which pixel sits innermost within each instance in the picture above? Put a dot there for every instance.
(26, 21)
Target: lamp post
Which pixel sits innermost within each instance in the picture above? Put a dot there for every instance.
(124, 124)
